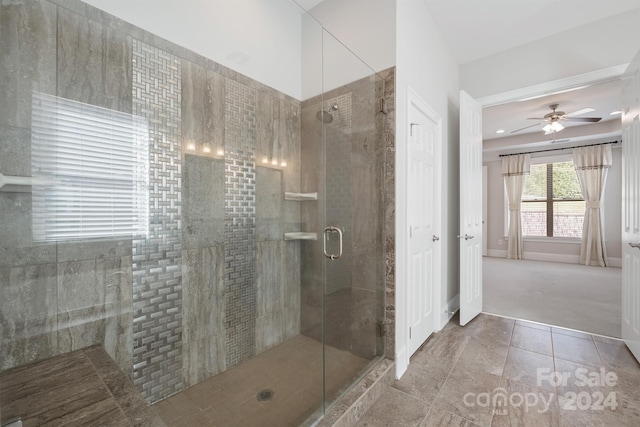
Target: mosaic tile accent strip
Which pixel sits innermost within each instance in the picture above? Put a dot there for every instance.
(240, 222)
(157, 286)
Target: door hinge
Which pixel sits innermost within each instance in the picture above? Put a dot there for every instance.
(382, 328)
(383, 106)
(409, 332)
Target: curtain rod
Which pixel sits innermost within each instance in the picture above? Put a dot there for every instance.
(557, 149)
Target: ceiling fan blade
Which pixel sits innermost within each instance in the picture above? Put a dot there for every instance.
(526, 127)
(583, 119)
(535, 118)
(577, 113)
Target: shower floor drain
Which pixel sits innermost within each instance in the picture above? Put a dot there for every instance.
(265, 395)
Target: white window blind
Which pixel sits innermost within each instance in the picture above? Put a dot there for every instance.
(91, 165)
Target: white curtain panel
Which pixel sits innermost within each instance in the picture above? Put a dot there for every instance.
(515, 169)
(592, 164)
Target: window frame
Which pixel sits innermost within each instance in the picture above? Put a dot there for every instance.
(558, 158)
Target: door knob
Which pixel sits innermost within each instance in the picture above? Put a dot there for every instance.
(466, 237)
(435, 238)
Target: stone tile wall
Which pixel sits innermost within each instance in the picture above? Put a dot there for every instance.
(389, 140)
(45, 309)
(194, 299)
(188, 302)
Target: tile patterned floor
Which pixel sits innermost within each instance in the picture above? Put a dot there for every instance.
(498, 357)
(293, 370)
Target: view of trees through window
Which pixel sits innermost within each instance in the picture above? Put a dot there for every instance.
(552, 201)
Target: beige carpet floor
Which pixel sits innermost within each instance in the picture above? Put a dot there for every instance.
(568, 295)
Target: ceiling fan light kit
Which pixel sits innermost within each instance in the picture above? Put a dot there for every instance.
(552, 127)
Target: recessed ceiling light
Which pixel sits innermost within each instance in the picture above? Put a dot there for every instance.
(500, 131)
(614, 113)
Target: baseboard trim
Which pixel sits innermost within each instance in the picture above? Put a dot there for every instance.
(449, 310)
(402, 362)
(615, 262)
(497, 253)
(540, 256)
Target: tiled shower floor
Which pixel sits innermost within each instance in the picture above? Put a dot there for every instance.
(293, 370)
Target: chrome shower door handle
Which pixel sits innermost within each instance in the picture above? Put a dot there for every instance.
(635, 245)
(328, 230)
(339, 242)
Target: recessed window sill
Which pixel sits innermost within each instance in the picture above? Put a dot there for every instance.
(541, 239)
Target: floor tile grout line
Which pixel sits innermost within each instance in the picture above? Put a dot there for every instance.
(555, 369)
(407, 394)
(598, 350)
(455, 363)
(447, 377)
(504, 365)
(531, 351)
(103, 382)
(551, 327)
(428, 415)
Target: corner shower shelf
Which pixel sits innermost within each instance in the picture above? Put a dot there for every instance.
(15, 180)
(300, 235)
(300, 197)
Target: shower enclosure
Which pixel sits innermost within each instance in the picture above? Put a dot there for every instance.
(222, 240)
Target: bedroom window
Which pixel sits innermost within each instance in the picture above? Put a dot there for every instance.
(552, 201)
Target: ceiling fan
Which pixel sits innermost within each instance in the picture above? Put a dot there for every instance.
(552, 120)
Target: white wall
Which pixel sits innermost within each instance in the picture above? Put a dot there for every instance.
(606, 43)
(562, 252)
(367, 27)
(274, 41)
(425, 64)
(260, 39)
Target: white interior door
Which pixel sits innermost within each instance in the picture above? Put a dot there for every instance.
(631, 208)
(424, 137)
(470, 208)
(485, 195)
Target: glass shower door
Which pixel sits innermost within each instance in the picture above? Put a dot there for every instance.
(351, 234)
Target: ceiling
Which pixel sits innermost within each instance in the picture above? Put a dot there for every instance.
(308, 4)
(604, 98)
(475, 29)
